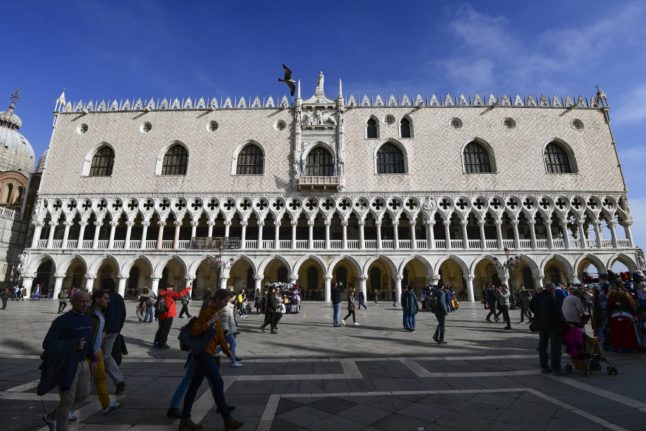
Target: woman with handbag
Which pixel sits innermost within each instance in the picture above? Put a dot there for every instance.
(352, 307)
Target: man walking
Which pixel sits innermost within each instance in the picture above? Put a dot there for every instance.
(490, 298)
(440, 308)
(4, 295)
(361, 298)
(115, 317)
(409, 308)
(336, 304)
(524, 298)
(547, 317)
(168, 296)
(68, 361)
(503, 296)
(184, 311)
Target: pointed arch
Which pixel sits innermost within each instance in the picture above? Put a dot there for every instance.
(302, 260)
(418, 257)
(478, 157)
(390, 158)
(39, 260)
(561, 259)
(387, 261)
(159, 268)
(99, 161)
(172, 159)
(319, 162)
(341, 258)
(263, 265)
(99, 261)
(406, 127)
(125, 268)
(63, 267)
(624, 259)
(559, 158)
(591, 259)
(372, 127)
(463, 266)
(485, 257)
(249, 159)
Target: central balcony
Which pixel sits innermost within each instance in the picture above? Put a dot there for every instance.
(318, 182)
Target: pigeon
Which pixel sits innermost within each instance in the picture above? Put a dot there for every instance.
(287, 79)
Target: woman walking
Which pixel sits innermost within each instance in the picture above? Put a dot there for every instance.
(63, 296)
(352, 307)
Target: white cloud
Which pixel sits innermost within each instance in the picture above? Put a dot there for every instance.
(638, 211)
(632, 107)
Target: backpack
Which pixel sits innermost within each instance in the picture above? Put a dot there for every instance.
(187, 342)
(160, 306)
(435, 304)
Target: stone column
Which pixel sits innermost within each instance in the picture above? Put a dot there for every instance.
(396, 234)
(514, 225)
(344, 226)
(27, 283)
(613, 233)
(160, 235)
(258, 284)
(113, 227)
(38, 228)
(89, 283)
(189, 282)
(582, 238)
(465, 236)
(310, 234)
(597, 232)
(413, 235)
(82, 224)
(499, 234)
(154, 285)
(210, 224)
(566, 238)
(178, 226)
(447, 233)
(144, 233)
(532, 233)
(52, 229)
(327, 234)
(470, 292)
(194, 224)
(223, 282)
(538, 280)
(277, 234)
(430, 234)
(629, 234)
(378, 224)
(121, 288)
(362, 234)
(97, 231)
(66, 233)
(294, 223)
(129, 225)
(548, 228)
(243, 234)
(328, 288)
(398, 287)
(58, 284)
(227, 228)
(261, 225)
(363, 286)
(483, 238)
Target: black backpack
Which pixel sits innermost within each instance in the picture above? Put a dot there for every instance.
(160, 306)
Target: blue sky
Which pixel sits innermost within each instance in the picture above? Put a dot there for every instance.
(145, 48)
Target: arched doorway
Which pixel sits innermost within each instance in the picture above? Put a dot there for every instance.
(138, 278)
(108, 270)
(206, 279)
(417, 274)
(174, 274)
(381, 280)
(75, 275)
(346, 272)
(45, 278)
(485, 274)
(311, 272)
(555, 271)
(241, 276)
(452, 274)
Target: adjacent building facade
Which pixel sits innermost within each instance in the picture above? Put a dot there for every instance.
(374, 192)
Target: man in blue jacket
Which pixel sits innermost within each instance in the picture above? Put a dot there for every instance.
(68, 360)
(115, 317)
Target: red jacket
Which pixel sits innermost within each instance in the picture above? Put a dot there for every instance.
(170, 296)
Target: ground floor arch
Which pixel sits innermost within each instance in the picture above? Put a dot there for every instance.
(206, 279)
(486, 273)
(416, 273)
(242, 276)
(276, 269)
(556, 269)
(311, 279)
(107, 272)
(173, 275)
(453, 272)
(139, 276)
(588, 267)
(621, 263)
(75, 275)
(381, 281)
(44, 279)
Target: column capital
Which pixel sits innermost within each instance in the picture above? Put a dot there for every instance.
(498, 222)
(98, 223)
(145, 223)
(363, 277)
(378, 223)
(531, 221)
(470, 277)
(362, 223)
(412, 222)
(211, 222)
(130, 223)
(446, 222)
(310, 222)
(610, 223)
(277, 223)
(122, 277)
(38, 223)
(68, 223)
(261, 223)
(244, 223)
(114, 223)
(327, 222)
(344, 223)
(188, 278)
(547, 222)
(293, 222)
(327, 277)
(258, 277)
(60, 275)
(515, 222)
(177, 222)
(194, 223)
(429, 222)
(53, 223)
(83, 223)
(482, 222)
(161, 223)
(90, 277)
(395, 223)
(227, 222)
(399, 277)
(463, 222)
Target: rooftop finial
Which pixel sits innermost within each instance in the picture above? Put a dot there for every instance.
(340, 89)
(602, 99)
(14, 98)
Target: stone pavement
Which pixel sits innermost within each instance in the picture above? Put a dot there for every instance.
(312, 376)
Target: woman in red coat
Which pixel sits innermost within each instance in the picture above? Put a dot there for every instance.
(166, 318)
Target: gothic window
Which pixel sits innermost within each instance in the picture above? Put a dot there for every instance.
(405, 128)
(372, 129)
(476, 159)
(390, 160)
(557, 160)
(102, 162)
(175, 161)
(251, 161)
(319, 163)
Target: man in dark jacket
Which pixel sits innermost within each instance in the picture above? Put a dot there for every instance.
(440, 307)
(69, 359)
(115, 317)
(547, 318)
(409, 308)
(336, 304)
(490, 298)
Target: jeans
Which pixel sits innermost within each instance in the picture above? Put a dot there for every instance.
(149, 313)
(524, 312)
(111, 366)
(362, 304)
(178, 396)
(554, 339)
(492, 311)
(78, 392)
(504, 309)
(231, 339)
(439, 331)
(205, 366)
(162, 333)
(409, 321)
(353, 314)
(61, 306)
(184, 311)
(336, 313)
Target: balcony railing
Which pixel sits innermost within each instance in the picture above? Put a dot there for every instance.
(491, 243)
(318, 182)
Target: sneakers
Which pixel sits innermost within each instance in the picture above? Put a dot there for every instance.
(356, 323)
(111, 407)
(343, 322)
(507, 328)
(51, 423)
(236, 364)
(121, 387)
(174, 413)
(188, 424)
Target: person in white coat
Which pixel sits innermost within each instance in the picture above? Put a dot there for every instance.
(230, 328)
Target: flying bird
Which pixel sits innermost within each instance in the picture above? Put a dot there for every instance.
(287, 79)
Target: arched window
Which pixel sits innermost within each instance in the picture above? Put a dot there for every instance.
(251, 161)
(319, 163)
(390, 160)
(175, 161)
(405, 128)
(476, 159)
(102, 162)
(557, 160)
(372, 129)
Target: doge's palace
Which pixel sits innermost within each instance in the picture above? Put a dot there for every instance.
(377, 192)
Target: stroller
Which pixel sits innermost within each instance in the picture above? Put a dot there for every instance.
(584, 351)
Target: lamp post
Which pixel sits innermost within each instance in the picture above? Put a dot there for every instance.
(510, 262)
(221, 264)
